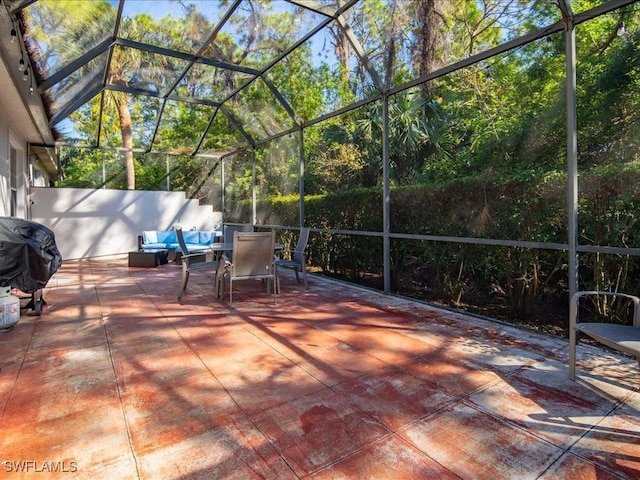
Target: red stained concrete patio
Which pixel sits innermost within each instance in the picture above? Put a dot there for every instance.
(118, 380)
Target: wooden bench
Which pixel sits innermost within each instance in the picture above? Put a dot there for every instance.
(624, 338)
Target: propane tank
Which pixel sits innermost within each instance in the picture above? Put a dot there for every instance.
(9, 309)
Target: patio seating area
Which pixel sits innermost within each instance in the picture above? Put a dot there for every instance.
(118, 380)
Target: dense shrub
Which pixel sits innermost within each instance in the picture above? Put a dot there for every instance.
(461, 272)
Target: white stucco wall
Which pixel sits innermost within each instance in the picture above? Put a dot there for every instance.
(10, 138)
(91, 223)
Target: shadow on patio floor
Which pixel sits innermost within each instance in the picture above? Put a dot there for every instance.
(117, 379)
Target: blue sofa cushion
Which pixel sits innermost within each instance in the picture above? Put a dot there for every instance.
(206, 238)
(190, 246)
(159, 237)
(153, 245)
(191, 236)
(194, 239)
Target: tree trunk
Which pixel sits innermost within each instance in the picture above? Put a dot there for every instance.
(342, 50)
(429, 26)
(391, 48)
(127, 140)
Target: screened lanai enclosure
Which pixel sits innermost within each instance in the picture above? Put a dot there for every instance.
(482, 155)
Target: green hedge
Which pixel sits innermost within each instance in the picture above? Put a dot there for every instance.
(460, 273)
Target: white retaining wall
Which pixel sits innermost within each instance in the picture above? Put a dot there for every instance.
(92, 223)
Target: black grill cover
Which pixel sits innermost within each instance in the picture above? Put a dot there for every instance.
(28, 254)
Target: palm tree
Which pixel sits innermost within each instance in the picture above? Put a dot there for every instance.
(417, 134)
(123, 61)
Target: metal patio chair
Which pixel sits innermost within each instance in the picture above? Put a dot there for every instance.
(621, 337)
(196, 261)
(297, 258)
(228, 229)
(251, 259)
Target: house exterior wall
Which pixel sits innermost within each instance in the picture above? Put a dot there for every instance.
(13, 145)
(92, 223)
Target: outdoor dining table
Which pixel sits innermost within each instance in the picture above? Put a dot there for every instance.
(219, 248)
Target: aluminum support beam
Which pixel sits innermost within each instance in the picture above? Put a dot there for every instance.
(572, 152)
(303, 220)
(253, 186)
(386, 227)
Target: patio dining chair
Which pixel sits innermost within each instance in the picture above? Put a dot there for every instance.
(228, 229)
(296, 259)
(251, 259)
(195, 261)
(622, 337)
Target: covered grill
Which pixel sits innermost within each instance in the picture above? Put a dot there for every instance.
(28, 257)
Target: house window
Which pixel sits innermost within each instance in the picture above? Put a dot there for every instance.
(38, 178)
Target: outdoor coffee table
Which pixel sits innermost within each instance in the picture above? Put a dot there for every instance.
(148, 257)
